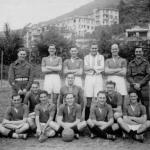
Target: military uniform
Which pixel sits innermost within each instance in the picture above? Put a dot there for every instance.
(20, 76)
(139, 72)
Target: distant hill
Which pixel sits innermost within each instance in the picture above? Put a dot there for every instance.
(86, 9)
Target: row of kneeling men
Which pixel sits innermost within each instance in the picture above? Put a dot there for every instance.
(45, 119)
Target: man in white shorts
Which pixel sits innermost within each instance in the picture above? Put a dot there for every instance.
(93, 67)
(52, 66)
(115, 69)
(134, 121)
(74, 65)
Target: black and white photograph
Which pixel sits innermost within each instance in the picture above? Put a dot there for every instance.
(74, 74)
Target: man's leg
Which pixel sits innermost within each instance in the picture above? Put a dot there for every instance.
(125, 127)
(87, 108)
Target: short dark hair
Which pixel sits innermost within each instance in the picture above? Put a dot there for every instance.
(138, 47)
(132, 91)
(52, 45)
(44, 92)
(70, 74)
(69, 94)
(21, 49)
(94, 43)
(14, 95)
(111, 82)
(36, 82)
(101, 92)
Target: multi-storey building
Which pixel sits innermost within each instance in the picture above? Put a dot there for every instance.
(107, 16)
(79, 25)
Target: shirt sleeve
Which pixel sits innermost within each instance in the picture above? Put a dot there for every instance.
(78, 112)
(92, 113)
(100, 65)
(61, 109)
(11, 77)
(26, 111)
(37, 110)
(26, 99)
(125, 111)
(124, 63)
(110, 113)
(31, 75)
(143, 110)
(119, 99)
(8, 114)
(129, 74)
(52, 112)
(43, 64)
(81, 98)
(147, 75)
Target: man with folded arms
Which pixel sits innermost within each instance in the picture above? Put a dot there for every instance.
(74, 65)
(93, 68)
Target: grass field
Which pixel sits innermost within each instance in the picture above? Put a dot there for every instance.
(84, 143)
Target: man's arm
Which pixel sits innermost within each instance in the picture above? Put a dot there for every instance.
(129, 75)
(55, 68)
(100, 67)
(147, 77)
(11, 77)
(31, 75)
(110, 71)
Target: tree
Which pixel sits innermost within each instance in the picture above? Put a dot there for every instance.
(9, 44)
(53, 36)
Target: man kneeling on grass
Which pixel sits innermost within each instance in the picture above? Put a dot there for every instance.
(101, 118)
(15, 122)
(134, 121)
(44, 114)
(69, 116)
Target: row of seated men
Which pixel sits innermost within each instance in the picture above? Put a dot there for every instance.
(107, 116)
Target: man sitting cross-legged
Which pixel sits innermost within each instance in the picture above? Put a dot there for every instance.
(134, 121)
(32, 99)
(44, 114)
(69, 116)
(114, 99)
(15, 121)
(101, 118)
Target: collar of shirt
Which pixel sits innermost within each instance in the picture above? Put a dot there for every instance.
(73, 59)
(19, 62)
(139, 61)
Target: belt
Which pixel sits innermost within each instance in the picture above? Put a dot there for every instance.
(21, 79)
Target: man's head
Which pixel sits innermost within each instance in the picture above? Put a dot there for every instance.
(101, 98)
(35, 87)
(94, 49)
(16, 100)
(138, 52)
(69, 99)
(22, 54)
(73, 52)
(133, 97)
(70, 79)
(52, 49)
(44, 97)
(110, 87)
(114, 50)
